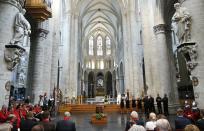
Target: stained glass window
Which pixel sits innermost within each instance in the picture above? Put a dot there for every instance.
(108, 46)
(91, 47)
(99, 46)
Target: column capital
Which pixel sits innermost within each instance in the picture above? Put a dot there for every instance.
(42, 33)
(160, 28)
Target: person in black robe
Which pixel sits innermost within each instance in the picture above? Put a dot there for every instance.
(151, 104)
(127, 105)
(122, 106)
(165, 105)
(139, 104)
(146, 105)
(133, 104)
(159, 105)
(27, 100)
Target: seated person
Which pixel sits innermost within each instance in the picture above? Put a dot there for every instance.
(163, 125)
(200, 122)
(66, 124)
(134, 119)
(181, 121)
(151, 124)
(191, 127)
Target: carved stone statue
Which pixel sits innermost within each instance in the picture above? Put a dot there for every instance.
(21, 2)
(181, 22)
(12, 57)
(22, 29)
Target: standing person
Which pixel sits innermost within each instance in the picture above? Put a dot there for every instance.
(27, 100)
(139, 104)
(146, 105)
(122, 104)
(40, 102)
(67, 124)
(165, 105)
(133, 103)
(159, 105)
(127, 104)
(45, 102)
(151, 104)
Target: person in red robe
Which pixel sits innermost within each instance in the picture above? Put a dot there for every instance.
(3, 114)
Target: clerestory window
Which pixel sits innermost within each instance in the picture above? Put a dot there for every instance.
(99, 46)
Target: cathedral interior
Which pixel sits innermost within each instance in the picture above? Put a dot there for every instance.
(87, 49)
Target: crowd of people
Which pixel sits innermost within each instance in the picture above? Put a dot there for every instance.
(160, 122)
(24, 116)
(188, 118)
(147, 102)
(27, 117)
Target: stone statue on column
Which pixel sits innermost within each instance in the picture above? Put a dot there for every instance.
(22, 30)
(181, 22)
(21, 2)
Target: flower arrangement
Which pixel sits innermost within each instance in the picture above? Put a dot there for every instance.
(99, 116)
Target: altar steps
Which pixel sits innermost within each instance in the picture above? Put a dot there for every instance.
(80, 108)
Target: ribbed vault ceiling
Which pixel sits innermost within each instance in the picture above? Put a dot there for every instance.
(99, 15)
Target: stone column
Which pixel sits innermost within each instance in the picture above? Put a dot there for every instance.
(8, 11)
(38, 62)
(135, 41)
(156, 52)
(196, 9)
(162, 56)
(131, 53)
(66, 36)
(163, 60)
(73, 56)
(148, 39)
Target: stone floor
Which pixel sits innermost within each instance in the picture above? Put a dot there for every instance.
(116, 122)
